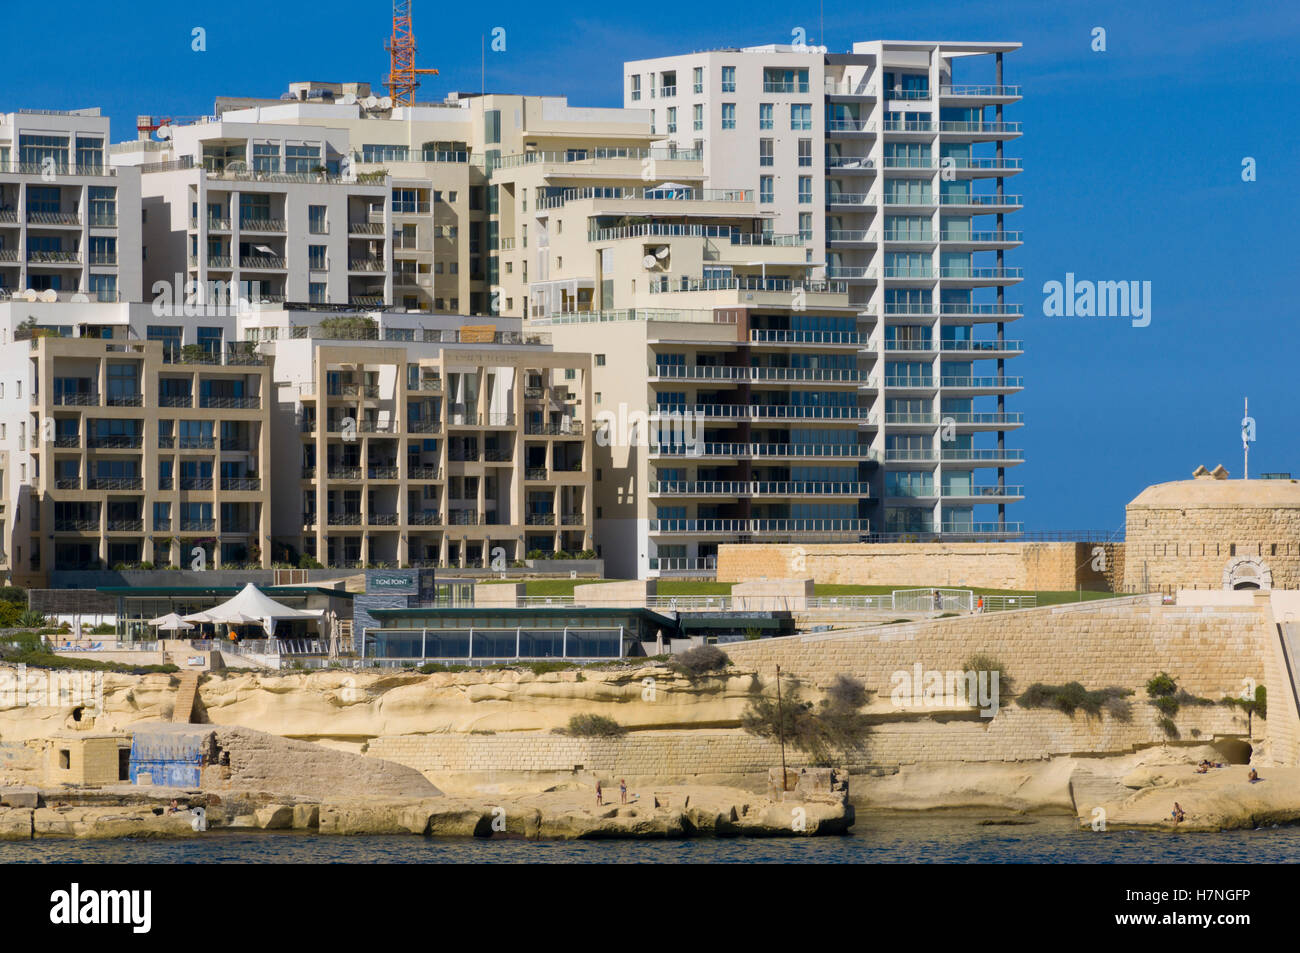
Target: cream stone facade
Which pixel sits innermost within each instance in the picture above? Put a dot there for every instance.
(1008, 565)
(1212, 532)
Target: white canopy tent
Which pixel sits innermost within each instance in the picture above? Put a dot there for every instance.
(171, 622)
(252, 606)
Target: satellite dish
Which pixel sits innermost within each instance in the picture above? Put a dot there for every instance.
(80, 298)
(350, 99)
(386, 103)
(649, 261)
(49, 295)
(164, 132)
(662, 252)
(370, 102)
(239, 165)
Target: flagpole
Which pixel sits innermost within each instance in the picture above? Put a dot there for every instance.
(1245, 443)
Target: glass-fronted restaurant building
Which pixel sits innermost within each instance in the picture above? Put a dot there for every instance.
(506, 634)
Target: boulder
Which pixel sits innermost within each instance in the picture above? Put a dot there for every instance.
(275, 817)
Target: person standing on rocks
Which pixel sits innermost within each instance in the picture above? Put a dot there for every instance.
(600, 796)
(622, 790)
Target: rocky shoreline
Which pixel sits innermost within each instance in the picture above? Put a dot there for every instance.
(674, 812)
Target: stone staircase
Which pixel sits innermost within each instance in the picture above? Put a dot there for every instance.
(187, 693)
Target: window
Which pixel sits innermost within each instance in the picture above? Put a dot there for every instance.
(805, 190)
(697, 117)
(636, 87)
(800, 115)
(35, 150)
(301, 159)
(765, 189)
(103, 206)
(316, 292)
(805, 226)
(728, 79)
(765, 116)
(765, 152)
(698, 85)
(383, 152)
(266, 157)
(805, 153)
(672, 118)
(90, 152)
(728, 115)
(492, 127)
(316, 222)
(316, 257)
(600, 360)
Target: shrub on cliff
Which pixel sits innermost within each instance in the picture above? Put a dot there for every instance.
(986, 663)
(592, 726)
(825, 732)
(1072, 697)
(700, 661)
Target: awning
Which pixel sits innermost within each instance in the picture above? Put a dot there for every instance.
(252, 606)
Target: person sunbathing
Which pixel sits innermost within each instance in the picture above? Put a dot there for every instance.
(1253, 777)
(1178, 813)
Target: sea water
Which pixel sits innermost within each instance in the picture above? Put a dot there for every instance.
(876, 838)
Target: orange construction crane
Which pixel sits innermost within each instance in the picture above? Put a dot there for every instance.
(402, 75)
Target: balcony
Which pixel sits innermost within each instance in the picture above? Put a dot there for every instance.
(730, 527)
(54, 218)
(125, 400)
(252, 224)
(979, 92)
(77, 525)
(850, 127)
(354, 390)
(424, 426)
(198, 526)
(992, 239)
(125, 525)
(983, 383)
(344, 519)
(230, 403)
(262, 262)
(743, 451)
(425, 518)
(782, 336)
(53, 257)
(539, 519)
(381, 473)
(570, 429)
(981, 130)
(382, 519)
(115, 483)
(343, 473)
(535, 473)
(67, 483)
(423, 473)
(241, 483)
(978, 493)
(366, 264)
(67, 441)
(196, 483)
(771, 488)
(905, 126)
(114, 442)
(983, 456)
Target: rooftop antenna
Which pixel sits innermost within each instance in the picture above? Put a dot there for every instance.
(403, 77)
(1247, 437)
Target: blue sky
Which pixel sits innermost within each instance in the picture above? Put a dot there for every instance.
(1133, 164)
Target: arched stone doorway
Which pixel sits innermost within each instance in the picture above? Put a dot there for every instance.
(1243, 572)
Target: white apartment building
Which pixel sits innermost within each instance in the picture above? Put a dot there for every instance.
(269, 213)
(69, 221)
(888, 162)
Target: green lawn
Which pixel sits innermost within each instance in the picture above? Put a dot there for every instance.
(694, 587)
